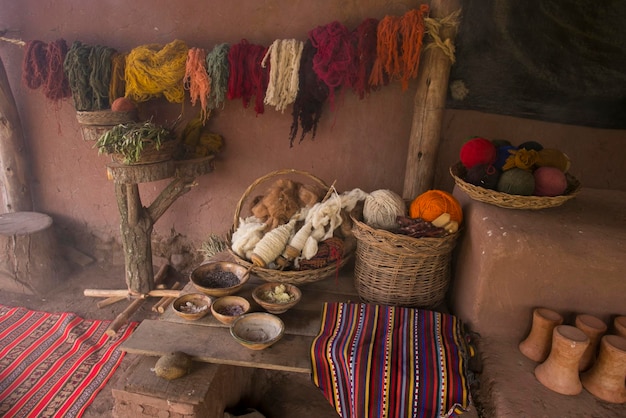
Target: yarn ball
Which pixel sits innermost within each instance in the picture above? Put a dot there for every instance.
(477, 151)
(501, 142)
(517, 181)
(551, 157)
(549, 181)
(483, 175)
(123, 104)
(382, 207)
(531, 145)
(502, 153)
(433, 203)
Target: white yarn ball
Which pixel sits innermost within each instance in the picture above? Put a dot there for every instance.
(382, 207)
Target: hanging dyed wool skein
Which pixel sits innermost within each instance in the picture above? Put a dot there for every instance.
(218, 71)
(117, 88)
(197, 80)
(284, 57)
(43, 67)
(153, 71)
(100, 76)
(365, 39)
(247, 77)
(77, 70)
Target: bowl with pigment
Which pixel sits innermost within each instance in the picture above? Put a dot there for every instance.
(192, 306)
(257, 330)
(276, 298)
(220, 278)
(228, 308)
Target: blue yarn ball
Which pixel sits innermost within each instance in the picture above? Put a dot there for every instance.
(502, 153)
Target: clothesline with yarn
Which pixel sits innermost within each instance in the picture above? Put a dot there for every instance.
(304, 74)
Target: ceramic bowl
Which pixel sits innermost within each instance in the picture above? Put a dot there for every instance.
(220, 278)
(192, 306)
(257, 330)
(228, 308)
(277, 298)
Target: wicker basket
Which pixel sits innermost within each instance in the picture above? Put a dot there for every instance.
(94, 124)
(398, 270)
(150, 154)
(511, 201)
(283, 276)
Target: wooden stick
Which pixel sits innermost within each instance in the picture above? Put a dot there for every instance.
(124, 293)
(162, 304)
(123, 317)
(110, 301)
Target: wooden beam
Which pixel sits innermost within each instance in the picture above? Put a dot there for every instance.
(429, 106)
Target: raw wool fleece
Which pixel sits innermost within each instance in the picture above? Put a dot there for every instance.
(282, 200)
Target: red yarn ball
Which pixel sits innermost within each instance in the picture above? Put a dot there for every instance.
(478, 151)
(549, 181)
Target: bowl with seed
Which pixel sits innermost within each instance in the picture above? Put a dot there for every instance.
(192, 306)
(228, 308)
(219, 278)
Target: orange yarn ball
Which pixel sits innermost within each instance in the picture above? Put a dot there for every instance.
(431, 204)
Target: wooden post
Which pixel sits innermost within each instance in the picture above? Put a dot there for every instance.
(13, 163)
(429, 105)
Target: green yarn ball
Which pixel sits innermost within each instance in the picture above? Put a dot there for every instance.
(517, 181)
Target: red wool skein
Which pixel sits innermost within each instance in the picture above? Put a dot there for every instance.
(478, 151)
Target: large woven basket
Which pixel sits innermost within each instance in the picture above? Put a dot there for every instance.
(283, 276)
(398, 270)
(511, 201)
(96, 123)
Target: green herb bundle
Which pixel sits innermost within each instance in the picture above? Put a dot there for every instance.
(130, 139)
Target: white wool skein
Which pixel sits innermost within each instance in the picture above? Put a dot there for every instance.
(382, 207)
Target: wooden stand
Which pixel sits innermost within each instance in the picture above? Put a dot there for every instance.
(30, 260)
(137, 221)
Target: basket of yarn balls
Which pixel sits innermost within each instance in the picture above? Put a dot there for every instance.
(526, 176)
(403, 249)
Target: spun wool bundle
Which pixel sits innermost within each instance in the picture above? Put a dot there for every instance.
(43, 67)
(197, 80)
(218, 71)
(333, 62)
(398, 46)
(382, 207)
(154, 70)
(312, 93)
(117, 88)
(364, 37)
(298, 240)
(433, 203)
(517, 181)
(248, 234)
(247, 77)
(77, 71)
(477, 151)
(272, 244)
(282, 87)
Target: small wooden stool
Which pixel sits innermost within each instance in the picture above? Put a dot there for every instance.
(31, 261)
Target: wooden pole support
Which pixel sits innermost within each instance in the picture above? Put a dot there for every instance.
(162, 304)
(123, 317)
(124, 293)
(110, 301)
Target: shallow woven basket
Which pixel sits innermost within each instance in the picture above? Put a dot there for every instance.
(283, 276)
(150, 154)
(398, 270)
(511, 201)
(96, 123)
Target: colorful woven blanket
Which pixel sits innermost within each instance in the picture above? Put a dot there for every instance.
(53, 365)
(383, 361)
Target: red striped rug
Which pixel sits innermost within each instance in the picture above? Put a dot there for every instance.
(53, 365)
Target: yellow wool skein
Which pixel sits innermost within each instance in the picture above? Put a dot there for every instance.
(152, 71)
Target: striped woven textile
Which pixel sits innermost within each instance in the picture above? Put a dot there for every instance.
(53, 365)
(383, 361)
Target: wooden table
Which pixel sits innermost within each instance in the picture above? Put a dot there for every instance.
(210, 341)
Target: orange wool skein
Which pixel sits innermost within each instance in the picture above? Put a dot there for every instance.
(431, 204)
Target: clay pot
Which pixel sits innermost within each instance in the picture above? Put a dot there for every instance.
(537, 344)
(619, 324)
(560, 370)
(606, 379)
(593, 328)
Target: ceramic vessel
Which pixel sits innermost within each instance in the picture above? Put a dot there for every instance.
(537, 344)
(594, 328)
(607, 378)
(560, 370)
